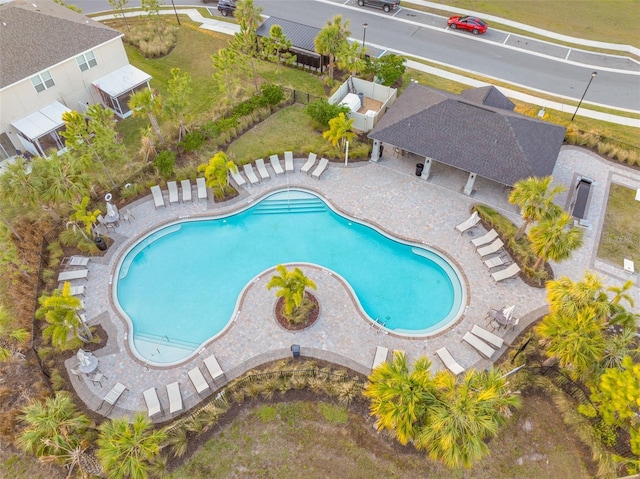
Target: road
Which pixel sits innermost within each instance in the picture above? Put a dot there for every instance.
(536, 65)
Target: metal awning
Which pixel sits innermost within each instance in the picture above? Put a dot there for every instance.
(122, 80)
(41, 122)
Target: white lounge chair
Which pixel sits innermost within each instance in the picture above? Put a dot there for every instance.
(485, 239)
(251, 176)
(158, 199)
(173, 192)
(469, 223)
(202, 188)
(479, 345)
(322, 166)
(288, 162)
(509, 272)
(275, 164)
(450, 363)
(380, 357)
(113, 395)
(309, 163)
(153, 403)
(74, 261)
(496, 261)
(237, 177)
(71, 275)
(213, 367)
(489, 337)
(491, 248)
(77, 290)
(262, 170)
(198, 380)
(185, 185)
(175, 398)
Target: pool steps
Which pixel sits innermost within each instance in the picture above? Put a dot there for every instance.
(293, 205)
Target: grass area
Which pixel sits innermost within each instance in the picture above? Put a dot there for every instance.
(611, 21)
(620, 233)
(319, 440)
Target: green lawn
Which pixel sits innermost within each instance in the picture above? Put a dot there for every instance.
(620, 233)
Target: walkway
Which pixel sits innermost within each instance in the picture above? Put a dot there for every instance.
(387, 194)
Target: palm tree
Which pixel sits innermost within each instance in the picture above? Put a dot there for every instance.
(331, 39)
(292, 286)
(350, 58)
(146, 103)
(128, 450)
(535, 200)
(53, 427)
(567, 297)
(60, 310)
(467, 412)
(216, 172)
(552, 241)
(340, 130)
(276, 47)
(401, 398)
(87, 218)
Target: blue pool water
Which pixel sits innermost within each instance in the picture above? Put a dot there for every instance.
(179, 285)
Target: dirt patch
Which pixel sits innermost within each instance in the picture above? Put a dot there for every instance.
(310, 320)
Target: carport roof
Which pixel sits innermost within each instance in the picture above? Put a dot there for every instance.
(476, 131)
(301, 36)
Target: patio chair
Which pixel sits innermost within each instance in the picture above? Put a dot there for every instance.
(213, 367)
(275, 164)
(153, 403)
(380, 357)
(251, 176)
(509, 272)
(288, 162)
(262, 170)
(500, 260)
(469, 223)
(488, 336)
(485, 239)
(97, 377)
(309, 163)
(201, 185)
(173, 192)
(198, 380)
(479, 345)
(158, 199)
(175, 398)
(494, 247)
(74, 261)
(112, 396)
(237, 177)
(74, 274)
(322, 166)
(450, 363)
(185, 186)
(127, 216)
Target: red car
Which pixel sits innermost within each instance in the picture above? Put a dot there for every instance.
(465, 22)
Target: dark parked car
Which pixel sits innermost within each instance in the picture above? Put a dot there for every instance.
(226, 7)
(386, 5)
(465, 22)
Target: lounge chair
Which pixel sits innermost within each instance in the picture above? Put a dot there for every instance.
(113, 395)
(288, 162)
(198, 380)
(494, 247)
(74, 274)
(251, 176)
(153, 403)
(469, 223)
(185, 186)
(489, 337)
(213, 367)
(496, 261)
(485, 239)
(173, 192)
(237, 177)
(175, 398)
(322, 166)
(77, 290)
(380, 357)
(202, 188)
(275, 164)
(310, 162)
(450, 363)
(74, 261)
(509, 272)
(262, 170)
(158, 199)
(479, 345)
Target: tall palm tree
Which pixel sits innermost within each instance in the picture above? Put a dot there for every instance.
(277, 46)
(554, 239)
(467, 412)
(53, 426)
(60, 310)
(567, 297)
(401, 398)
(216, 172)
(292, 286)
(128, 450)
(146, 103)
(331, 39)
(535, 200)
(340, 130)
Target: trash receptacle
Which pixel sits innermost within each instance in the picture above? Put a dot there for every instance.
(100, 243)
(295, 350)
(419, 168)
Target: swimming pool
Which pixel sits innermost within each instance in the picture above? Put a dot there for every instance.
(179, 285)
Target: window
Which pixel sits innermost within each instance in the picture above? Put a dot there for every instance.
(42, 81)
(86, 61)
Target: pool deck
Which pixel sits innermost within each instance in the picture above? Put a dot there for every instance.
(387, 194)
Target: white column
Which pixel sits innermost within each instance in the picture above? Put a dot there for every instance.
(427, 168)
(375, 152)
(468, 188)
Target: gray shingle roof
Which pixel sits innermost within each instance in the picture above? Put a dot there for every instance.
(301, 36)
(496, 143)
(34, 38)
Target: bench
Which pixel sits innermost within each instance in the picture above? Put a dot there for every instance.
(579, 207)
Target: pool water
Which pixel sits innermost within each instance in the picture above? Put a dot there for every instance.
(179, 285)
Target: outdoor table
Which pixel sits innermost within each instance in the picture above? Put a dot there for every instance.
(91, 366)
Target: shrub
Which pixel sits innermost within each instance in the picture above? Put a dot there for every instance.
(192, 141)
(321, 111)
(273, 94)
(165, 161)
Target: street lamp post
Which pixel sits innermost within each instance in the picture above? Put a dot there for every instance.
(364, 35)
(176, 12)
(593, 75)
